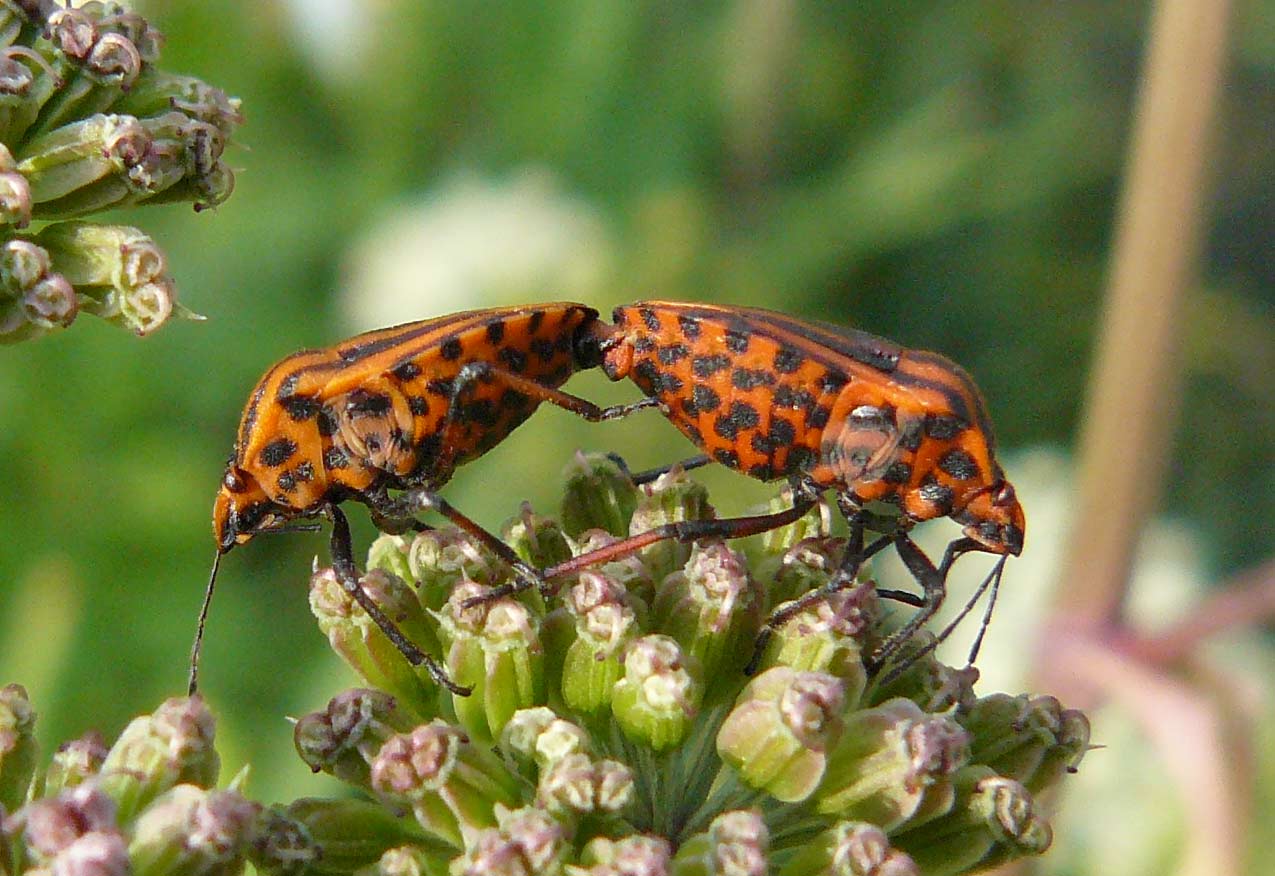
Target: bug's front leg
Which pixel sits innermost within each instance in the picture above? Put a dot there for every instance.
(347, 573)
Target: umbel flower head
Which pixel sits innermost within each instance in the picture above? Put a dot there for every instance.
(88, 123)
(145, 806)
(612, 729)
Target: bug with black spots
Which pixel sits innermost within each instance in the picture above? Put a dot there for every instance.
(395, 409)
(828, 409)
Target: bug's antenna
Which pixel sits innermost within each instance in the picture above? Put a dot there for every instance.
(193, 687)
(987, 612)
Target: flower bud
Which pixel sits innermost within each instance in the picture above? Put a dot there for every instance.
(451, 786)
(495, 648)
(538, 736)
(343, 738)
(660, 693)
(89, 254)
(442, 560)
(389, 553)
(577, 785)
(1012, 734)
(349, 834)
(829, 636)
(635, 855)
(537, 539)
(892, 764)
(156, 92)
(991, 821)
(75, 762)
(713, 608)
(98, 853)
(934, 685)
(604, 625)
(15, 200)
(409, 861)
(174, 745)
(851, 848)
(630, 572)
(598, 495)
(361, 643)
(1064, 756)
(190, 831)
(778, 735)
(19, 750)
(736, 843)
(281, 845)
(670, 498)
(529, 842)
(51, 825)
(82, 153)
(814, 524)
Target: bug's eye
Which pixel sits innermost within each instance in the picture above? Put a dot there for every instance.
(233, 482)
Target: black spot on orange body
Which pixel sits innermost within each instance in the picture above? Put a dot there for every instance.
(774, 396)
(373, 411)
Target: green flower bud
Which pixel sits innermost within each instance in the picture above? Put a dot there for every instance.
(190, 831)
(108, 65)
(98, 853)
(660, 693)
(139, 309)
(495, 648)
(51, 825)
(343, 739)
(389, 553)
(735, 844)
(529, 842)
(362, 644)
(84, 153)
(15, 199)
(778, 735)
(991, 821)
(814, 524)
(629, 572)
(538, 540)
(893, 765)
(850, 848)
(442, 560)
(282, 845)
(451, 786)
(828, 637)
(934, 685)
(538, 736)
(173, 745)
(1012, 734)
(350, 834)
(635, 855)
(713, 608)
(19, 750)
(672, 497)
(577, 785)
(156, 92)
(604, 625)
(1064, 756)
(598, 495)
(89, 254)
(74, 762)
(408, 861)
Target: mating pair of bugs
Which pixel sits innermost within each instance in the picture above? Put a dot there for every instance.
(824, 407)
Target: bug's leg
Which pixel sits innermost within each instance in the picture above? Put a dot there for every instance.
(645, 477)
(484, 372)
(685, 531)
(842, 579)
(933, 583)
(347, 574)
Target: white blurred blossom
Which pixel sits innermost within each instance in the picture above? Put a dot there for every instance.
(474, 243)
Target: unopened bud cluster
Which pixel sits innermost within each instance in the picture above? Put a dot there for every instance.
(612, 729)
(88, 123)
(145, 805)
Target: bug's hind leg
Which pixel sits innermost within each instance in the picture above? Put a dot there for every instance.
(347, 574)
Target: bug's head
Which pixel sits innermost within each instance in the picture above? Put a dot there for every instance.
(242, 509)
(995, 520)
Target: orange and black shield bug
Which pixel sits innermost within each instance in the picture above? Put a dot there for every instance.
(826, 408)
(395, 409)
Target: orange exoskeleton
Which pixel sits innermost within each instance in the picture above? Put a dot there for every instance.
(394, 409)
(828, 409)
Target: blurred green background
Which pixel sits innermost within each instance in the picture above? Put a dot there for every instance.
(942, 172)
